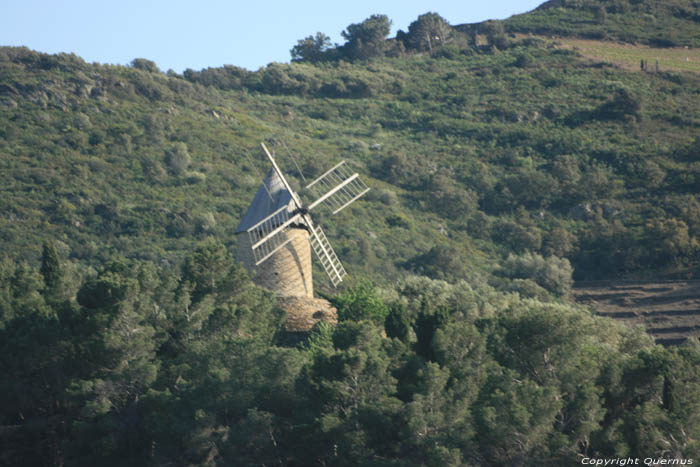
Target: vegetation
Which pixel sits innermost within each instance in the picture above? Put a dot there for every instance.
(482, 152)
(635, 57)
(501, 166)
(136, 366)
(670, 23)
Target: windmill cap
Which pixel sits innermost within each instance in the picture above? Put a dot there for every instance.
(271, 196)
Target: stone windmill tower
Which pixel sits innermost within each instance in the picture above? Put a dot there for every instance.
(276, 237)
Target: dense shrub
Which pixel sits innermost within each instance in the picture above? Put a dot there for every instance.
(553, 273)
(624, 104)
(145, 65)
(361, 302)
(178, 158)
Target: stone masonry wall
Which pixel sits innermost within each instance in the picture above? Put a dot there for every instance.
(287, 272)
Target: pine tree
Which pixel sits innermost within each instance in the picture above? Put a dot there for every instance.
(51, 269)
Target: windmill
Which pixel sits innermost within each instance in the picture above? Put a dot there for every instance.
(277, 234)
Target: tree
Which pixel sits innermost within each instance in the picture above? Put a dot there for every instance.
(449, 197)
(532, 188)
(311, 49)
(442, 262)
(350, 414)
(368, 38)
(145, 64)
(438, 422)
(51, 269)
(670, 242)
(427, 32)
(427, 323)
(513, 418)
(207, 269)
(397, 324)
(553, 273)
(496, 35)
(361, 302)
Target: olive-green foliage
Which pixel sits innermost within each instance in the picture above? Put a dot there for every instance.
(129, 159)
(366, 39)
(145, 64)
(441, 262)
(552, 273)
(178, 158)
(51, 269)
(495, 34)
(623, 104)
(128, 373)
(361, 302)
(427, 32)
(397, 323)
(311, 48)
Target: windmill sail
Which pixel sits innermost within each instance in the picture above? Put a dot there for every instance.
(338, 187)
(325, 254)
(270, 234)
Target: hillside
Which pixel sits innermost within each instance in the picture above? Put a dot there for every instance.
(484, 153)
(672, 23)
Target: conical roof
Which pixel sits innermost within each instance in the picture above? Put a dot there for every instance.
(271, 196)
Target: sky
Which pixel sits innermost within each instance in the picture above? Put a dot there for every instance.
(210, 33)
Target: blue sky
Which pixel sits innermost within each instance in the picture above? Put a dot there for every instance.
(187, 34)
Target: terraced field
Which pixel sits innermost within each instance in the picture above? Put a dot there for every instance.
(670, 311)
(629, 56)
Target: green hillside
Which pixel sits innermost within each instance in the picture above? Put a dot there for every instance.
(671, 23)
(502, 167)
(481, 152)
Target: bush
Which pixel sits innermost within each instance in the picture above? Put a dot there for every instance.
(524, 60)
(399, 219)
(359, 303)
(195, 177)
(178, 158)
(553, 273)
(515, 236)
(397, 325)
(625, 103)
(441, 262)
(145, 65)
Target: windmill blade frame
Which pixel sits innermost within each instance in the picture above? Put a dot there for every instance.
(270, 234)
(339, 187)
(286, 184)
(326, 255)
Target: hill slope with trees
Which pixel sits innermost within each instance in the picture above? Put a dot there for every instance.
(483, 152)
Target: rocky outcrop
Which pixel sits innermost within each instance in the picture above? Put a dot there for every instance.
(304, 312)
